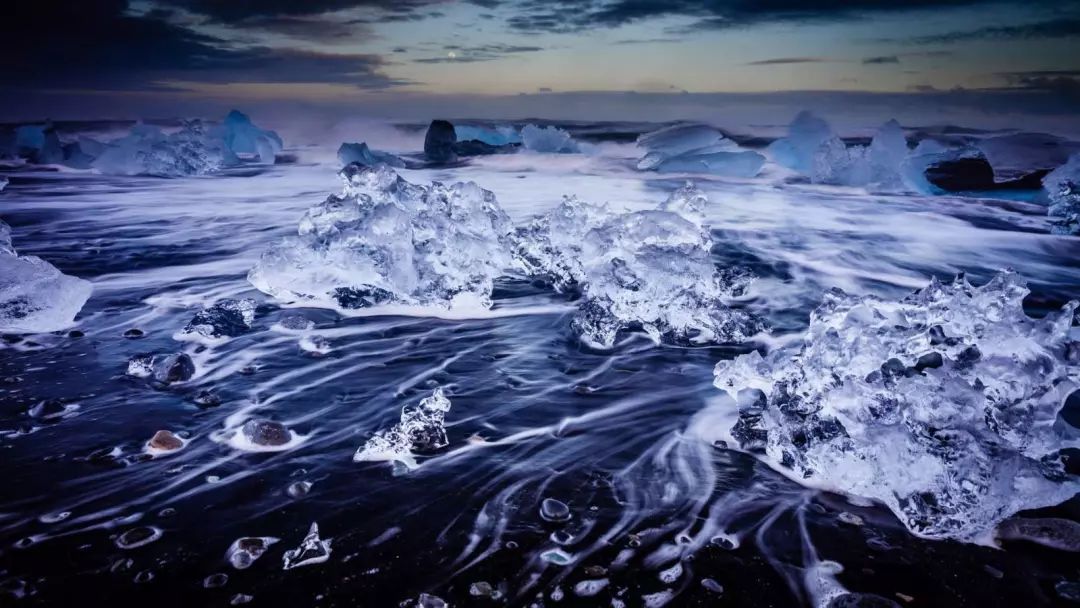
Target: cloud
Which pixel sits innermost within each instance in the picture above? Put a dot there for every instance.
(562, 16)
(789, 60)
(1058, 28)
(238, 11)
(100, 46)
(647, 41)
(472, 54)
(881, 60)
(1061, 83)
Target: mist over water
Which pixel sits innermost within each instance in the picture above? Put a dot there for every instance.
(632, 442)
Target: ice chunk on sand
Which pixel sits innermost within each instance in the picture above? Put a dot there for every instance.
(35, 296)
(312, 550)
(1063, 187)
(385, 240)
(744, 163)
(360, 153)
(943, 406)
(805, 135)
(549, 139)
(241, 136)
(39, 144)
(649, 270)
(420, 429)
(685, 137)
(149, 151)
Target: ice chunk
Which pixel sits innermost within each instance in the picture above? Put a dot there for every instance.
(3, 184)
(35, 296)
(241, 136)
(149, 151)
(226, 318)
(550, 139)
(943, 406)
(1063, 187)
(498, 136)
(877, 167)
(649, 270)
(165, 369)
(420, 429)
(386, 240)
(312, 550)
(360, 153)
(745, 163)
(805, 135)
(696, 148)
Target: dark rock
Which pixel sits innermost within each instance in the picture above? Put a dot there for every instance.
(975, 174)
(134, 333)
(266, 432)
(175, 368)
(227, 318)
(75, 334)
(439, 142)
(862, 600)
(931, 360)
(165, 441)
(205, 398)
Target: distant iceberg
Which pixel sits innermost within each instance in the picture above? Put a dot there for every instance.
(361, 153)
(1063, 187)
(149, 151)
(696, 148)
(241, 136)
(549, 139)
(944, 405)
(35, 297)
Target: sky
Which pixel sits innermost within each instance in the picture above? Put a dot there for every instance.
(587, 59)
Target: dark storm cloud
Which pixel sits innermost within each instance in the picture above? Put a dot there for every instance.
(561, 16)
(789, 60)
(100, 46)
(237, 11)
(1059, 28)
(1061, 83)
(881, 60)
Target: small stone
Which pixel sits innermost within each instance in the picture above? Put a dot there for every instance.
(206, 398)
(554, 510)
(244, 551)
(595, 571)
(266, 432)
(481, 589)
(165, 441)
(216, 580)
(712, 585)
(299, 489)
(75, 334)
(134, 334)
(137, 537)
(850, 519)
(144, 576)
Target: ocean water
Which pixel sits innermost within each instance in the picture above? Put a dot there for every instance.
(657, 515)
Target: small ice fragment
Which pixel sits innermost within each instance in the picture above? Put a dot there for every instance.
(240, 598)
(244, 551)
(554, 510)
(312, 550)
(295, 322)
(850, 518)
(177, 367)
(52, 518)
(557, 557)
(207, 398)
(481, 589)
(226, 318)
(315, 345)
(426, 600)
(1053, 532)
(421, 428)
(137, 537)
(589, 588)
(1062, 185)
(658, 599)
